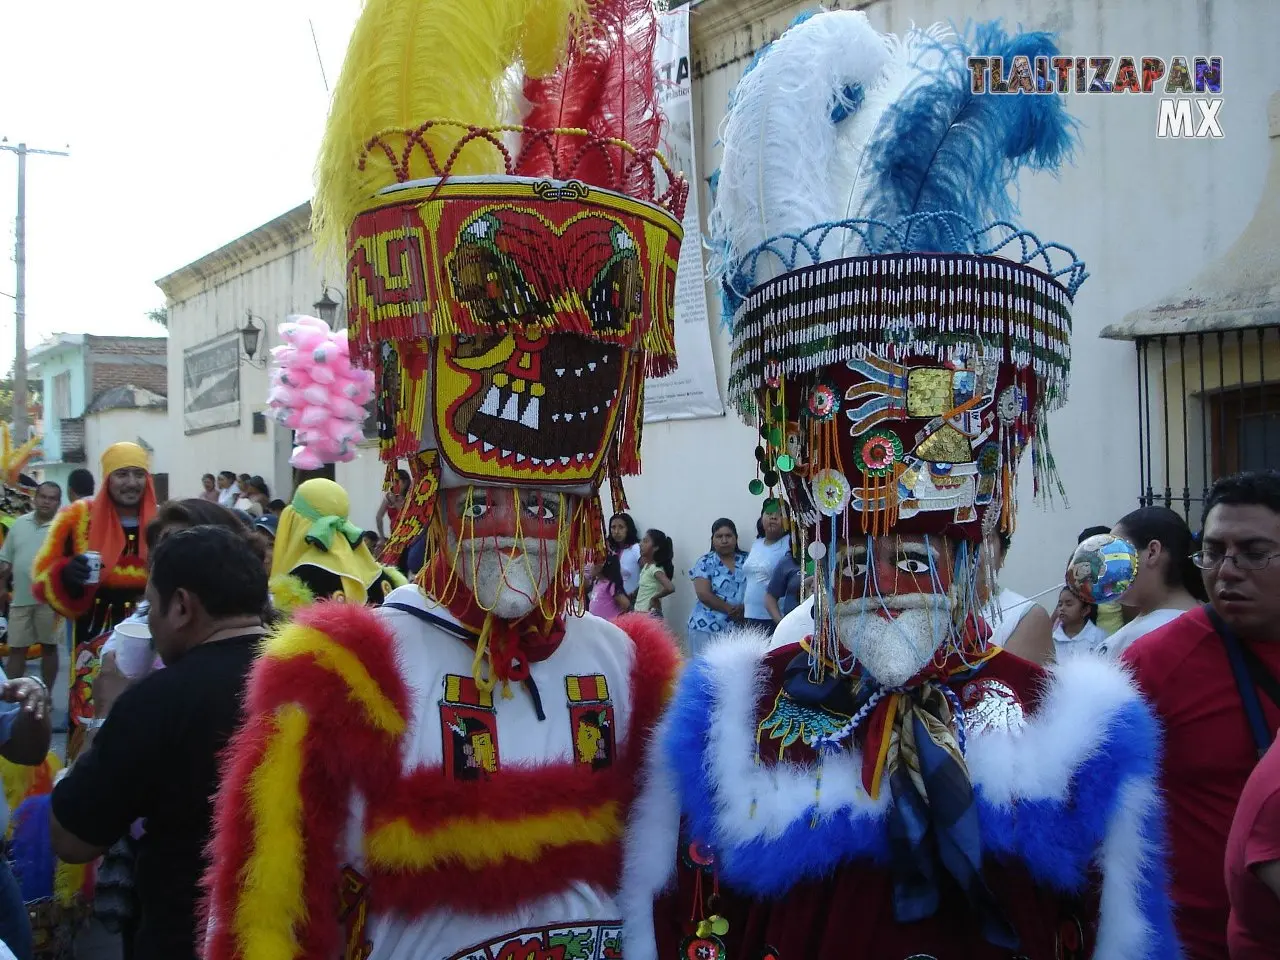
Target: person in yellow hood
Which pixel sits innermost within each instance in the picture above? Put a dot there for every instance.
(318, 553)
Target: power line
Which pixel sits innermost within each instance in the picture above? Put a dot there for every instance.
(319, 59)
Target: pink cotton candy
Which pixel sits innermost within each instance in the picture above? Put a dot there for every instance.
(345, 409)
(314, 416)
(283, 396)
(316, 392)
(304, 458)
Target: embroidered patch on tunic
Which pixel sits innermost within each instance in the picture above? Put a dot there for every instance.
(354, 915)
(469, 729)
(591, 723)
(790, 722)
(991, 705)
(575, 941)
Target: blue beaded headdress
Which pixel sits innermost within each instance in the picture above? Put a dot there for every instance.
(897, 337)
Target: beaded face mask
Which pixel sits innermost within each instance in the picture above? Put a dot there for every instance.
(511, 234)
(508, 546)
(537, 406)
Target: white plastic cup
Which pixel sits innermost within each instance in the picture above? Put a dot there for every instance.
(95, 566)
(133, 648)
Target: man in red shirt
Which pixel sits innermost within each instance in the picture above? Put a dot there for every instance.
(1184, 669)
(1253, 866)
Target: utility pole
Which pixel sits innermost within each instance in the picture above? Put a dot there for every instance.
(20, 298)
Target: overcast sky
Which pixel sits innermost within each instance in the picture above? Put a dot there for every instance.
(188, 124)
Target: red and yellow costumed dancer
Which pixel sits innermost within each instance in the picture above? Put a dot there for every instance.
(449, 776)
(92, 569)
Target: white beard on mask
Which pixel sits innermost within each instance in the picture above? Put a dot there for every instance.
(894, 651)
(507, 576)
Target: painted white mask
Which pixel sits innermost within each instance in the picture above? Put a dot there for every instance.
(894, 638)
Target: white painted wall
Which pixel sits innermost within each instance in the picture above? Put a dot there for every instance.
(362, 479)
(271, 286)
(1144, 214)
(103, 429)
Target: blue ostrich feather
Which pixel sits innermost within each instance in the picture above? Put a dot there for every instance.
(942, 148)
(32, 849)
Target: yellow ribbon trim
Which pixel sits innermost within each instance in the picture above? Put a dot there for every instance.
(883, 756)
(478, 842)
(298, 641)
(270, 903)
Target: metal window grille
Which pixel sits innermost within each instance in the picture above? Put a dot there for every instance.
(1208, 407)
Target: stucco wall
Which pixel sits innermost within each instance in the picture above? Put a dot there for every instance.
(271, 285)
(151, 426)
(63, 359)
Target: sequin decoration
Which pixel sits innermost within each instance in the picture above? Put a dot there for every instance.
(789, 723)
(772, 373)
(698, 855)
(702, 948)
(878, 452)
(823, 403)
(1011, 404)
(830, 492)
(989, 459)
(714, 926)
(991, 705)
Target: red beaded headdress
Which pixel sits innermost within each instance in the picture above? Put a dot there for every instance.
(511, 236)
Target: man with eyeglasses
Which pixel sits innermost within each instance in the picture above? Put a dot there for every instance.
(1212, 677)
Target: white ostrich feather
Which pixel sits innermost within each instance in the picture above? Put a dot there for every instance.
(780, 141)
(514, 105)
(912, 60)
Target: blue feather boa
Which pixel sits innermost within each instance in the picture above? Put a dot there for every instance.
(1058, 840)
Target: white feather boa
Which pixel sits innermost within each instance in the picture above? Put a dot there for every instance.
(1085, 703)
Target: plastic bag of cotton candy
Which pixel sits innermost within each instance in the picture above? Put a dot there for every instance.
(317, 393)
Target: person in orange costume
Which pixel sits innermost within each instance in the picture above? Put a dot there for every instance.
(111, 525)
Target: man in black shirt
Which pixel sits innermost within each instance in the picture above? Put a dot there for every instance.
(155, 757)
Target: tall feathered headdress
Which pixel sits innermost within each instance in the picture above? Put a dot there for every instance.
(15, 499)
(511, 235)
(896, 337)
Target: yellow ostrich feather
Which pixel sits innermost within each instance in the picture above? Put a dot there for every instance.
(13, 459)
(548, 24)
(69, 882)
(288, 594)
(410, 61)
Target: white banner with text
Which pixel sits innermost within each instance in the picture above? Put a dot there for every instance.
(691, 392)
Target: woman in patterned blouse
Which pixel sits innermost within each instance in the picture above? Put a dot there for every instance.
(720, 581)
